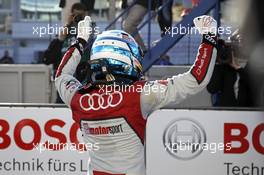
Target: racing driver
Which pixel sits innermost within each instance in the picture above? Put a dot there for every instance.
(115, 118)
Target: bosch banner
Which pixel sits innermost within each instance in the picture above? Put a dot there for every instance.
(41, 141)
(189, 142)
(46, 141)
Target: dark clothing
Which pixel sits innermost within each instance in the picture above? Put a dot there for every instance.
(89, 4)
(163, 62)
(165, 15)
(144, 3)
(124, 4)
(230, 87)
(56, 49)
(53, 55)
(6, 60)
(62, 3)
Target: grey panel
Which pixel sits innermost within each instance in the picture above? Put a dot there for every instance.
(9, 84)
(34, 87)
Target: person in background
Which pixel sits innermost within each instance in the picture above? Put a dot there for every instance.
(135, 17)
(165, 23)
(67, 36)
(164, 60)
(6, 59)
(229, 84)
(89, 4)
(8, 24)
(65, 6)
(165, 15)
(78, 11)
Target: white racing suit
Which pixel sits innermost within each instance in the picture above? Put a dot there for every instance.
(116, 121)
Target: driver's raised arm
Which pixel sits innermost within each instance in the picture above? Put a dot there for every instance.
(65, 82)
(175, 89)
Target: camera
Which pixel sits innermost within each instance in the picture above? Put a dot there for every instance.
(77, 18)
(228, 49)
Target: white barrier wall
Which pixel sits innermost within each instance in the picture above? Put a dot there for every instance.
(204, 142)
(25, 83)
(23, 133)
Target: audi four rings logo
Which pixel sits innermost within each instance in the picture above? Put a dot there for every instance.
(100, 101)
(183, 139)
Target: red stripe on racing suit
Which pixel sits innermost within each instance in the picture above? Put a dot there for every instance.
(64, 61)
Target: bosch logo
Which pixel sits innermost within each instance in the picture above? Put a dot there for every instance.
(183, 139)
(247, 137)
(39, 134)
(100, 101)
